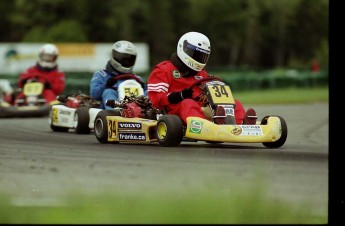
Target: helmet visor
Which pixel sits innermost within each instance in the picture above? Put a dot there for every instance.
(125, 59)
(198, 54)
(48, 57)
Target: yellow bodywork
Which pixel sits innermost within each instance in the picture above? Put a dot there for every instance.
(144, 130)
(202, 129)
(137, 130)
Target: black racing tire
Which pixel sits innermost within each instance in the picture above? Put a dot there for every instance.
(169, 131)
(56, 128)
(81, 120)
(281, 141)
(101, 127)
(59, 128)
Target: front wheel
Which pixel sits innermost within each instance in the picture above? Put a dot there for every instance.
(81, 120)
(169, 130)
(101, 126)
(284, 131)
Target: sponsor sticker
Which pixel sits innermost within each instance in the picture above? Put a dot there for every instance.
(195, 126)
(247, 130)
(229, 111)
(176, 74)
(55, 116)
(63, 112)
(129, 126)
(237, 130)
(132, 136)
(64, 120)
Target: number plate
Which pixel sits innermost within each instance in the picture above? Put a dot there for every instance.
(220, 94)
(33, 89)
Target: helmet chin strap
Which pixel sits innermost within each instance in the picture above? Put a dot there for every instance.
(183, 69)
(110, 68)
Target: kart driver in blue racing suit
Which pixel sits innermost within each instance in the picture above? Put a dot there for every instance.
(103, 85)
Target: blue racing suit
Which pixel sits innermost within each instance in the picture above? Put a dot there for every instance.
(100, 91)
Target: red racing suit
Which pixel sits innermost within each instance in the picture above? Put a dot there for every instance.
(165, 79)
(54, 77)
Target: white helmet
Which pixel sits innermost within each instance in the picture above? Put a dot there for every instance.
(193, 49)
(48, 55)
(123, 56)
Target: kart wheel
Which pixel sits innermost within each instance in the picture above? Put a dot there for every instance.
(169, 131)
(56, 128)
(101, 127)
(281, 141)
(81, 120)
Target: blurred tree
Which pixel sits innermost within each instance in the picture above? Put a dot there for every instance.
(308, 30)
(257, 34)
(161, 35)
(6, 8)
(63, 31)
(275, 18)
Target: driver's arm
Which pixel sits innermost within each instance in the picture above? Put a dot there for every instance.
(158, 86)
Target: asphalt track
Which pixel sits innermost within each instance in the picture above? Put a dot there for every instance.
(38, 166)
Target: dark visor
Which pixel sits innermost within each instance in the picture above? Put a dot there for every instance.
(48, 57)
(198, 54)
(125, 59)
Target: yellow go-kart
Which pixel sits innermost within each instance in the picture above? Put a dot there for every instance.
(152, 125)
(28, 102)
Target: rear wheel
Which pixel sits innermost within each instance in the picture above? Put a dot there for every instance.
(81, 120)
(101, 126)
(281, 141)
(169, 130)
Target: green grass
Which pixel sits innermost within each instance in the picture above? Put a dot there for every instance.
(284, 96)
(207, 206)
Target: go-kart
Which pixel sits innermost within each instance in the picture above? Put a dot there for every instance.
(27, 101)
(169, 130)
(73, 112)
(78, 111)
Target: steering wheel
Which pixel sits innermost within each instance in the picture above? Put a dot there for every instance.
(197, 83)
(129, 76)
(35, 78)
(201, 98)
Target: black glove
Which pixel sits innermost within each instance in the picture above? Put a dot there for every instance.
(110, 82)
(47, 85)
(62, 98)
(176, 97)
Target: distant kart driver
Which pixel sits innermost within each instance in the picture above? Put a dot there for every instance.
(46, 71)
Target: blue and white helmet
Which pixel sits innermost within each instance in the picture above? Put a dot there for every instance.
(194, 49)
(123, 56)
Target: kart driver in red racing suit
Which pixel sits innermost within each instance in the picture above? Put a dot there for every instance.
(169, 81)
(46, 71)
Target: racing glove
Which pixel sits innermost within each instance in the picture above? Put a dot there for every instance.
(47, 85)
(110, 83)
(176, 97)
(112, 103)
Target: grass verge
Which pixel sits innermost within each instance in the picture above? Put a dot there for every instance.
(284, 96)
(242, 206)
